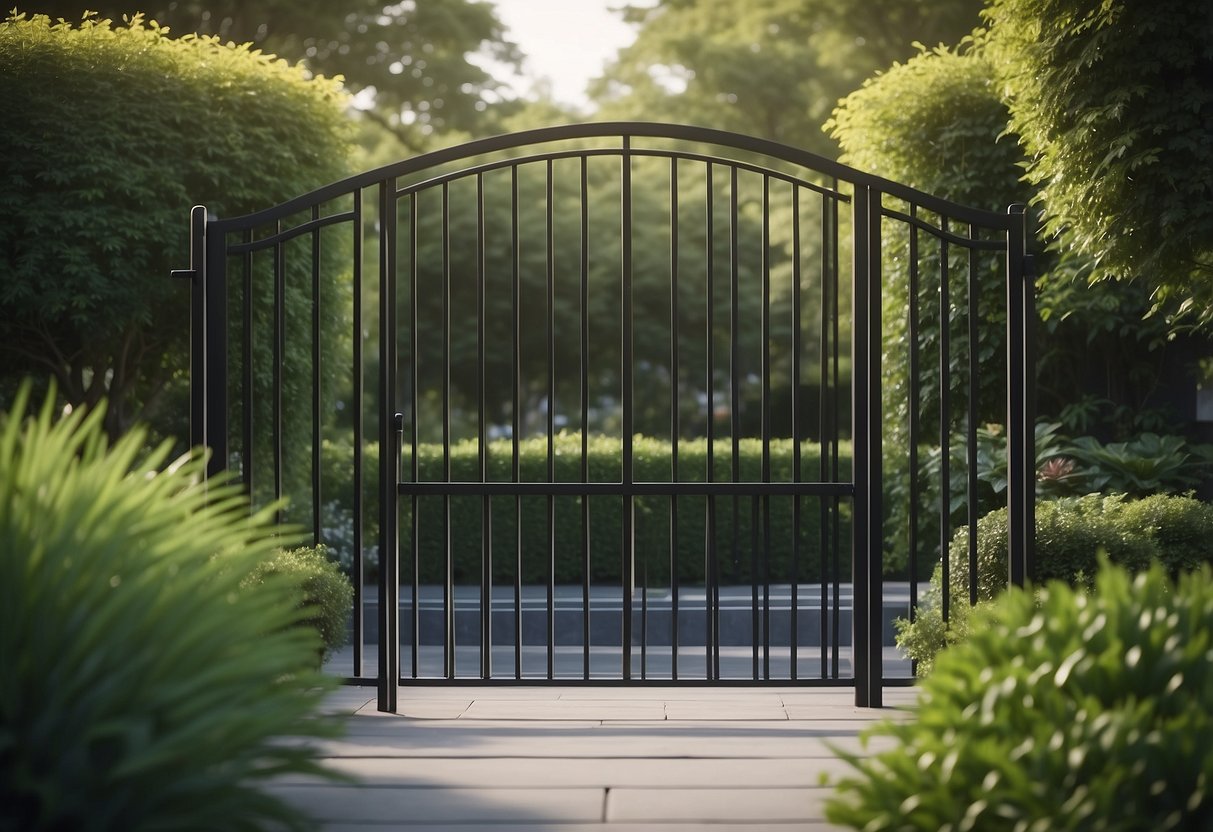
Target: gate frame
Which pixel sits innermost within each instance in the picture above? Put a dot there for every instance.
(209, 362)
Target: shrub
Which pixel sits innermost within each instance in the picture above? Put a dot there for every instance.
(141, 687)
(111, 132)
(1061, 711)
(324, 595)
(1173, 531)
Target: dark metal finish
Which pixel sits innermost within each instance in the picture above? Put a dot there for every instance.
(758, 386)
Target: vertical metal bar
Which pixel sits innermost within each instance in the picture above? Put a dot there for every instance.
(516, 426)
(711, 602)
(836, 422)
(486, 503)
(551, 393)
(861, 393)
(765, 256)
(826, 425)
(794, 611)
(915, 402)
(1020, 428)
(971, 432)
(675, 428)
(448, 584)
(414, 399)
(359, 624)
(389, 456)
(246, 392)
(735, 394)
(629, 519)
(945, 411)
(316, 403)
(216, 349)
(585, 416)
(279, 351)
(875, 477)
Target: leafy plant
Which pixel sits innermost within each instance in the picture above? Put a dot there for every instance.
(1066, 710)
(143, 688)
(1147, 464)
(111, 132)
(324, 595)
(1175, 532)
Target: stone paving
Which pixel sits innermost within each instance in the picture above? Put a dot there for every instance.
(500, 759)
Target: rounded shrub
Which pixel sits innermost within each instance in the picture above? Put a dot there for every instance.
(1175, 531)
(143, 686)
(1064, 711)
(323, 594)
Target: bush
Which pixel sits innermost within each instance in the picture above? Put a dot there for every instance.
(652, 535)
(111, 133)
(1175, 532)
(1061, 711)
(324, 595)
(142, 688)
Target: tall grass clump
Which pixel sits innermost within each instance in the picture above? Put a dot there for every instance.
(143, 687)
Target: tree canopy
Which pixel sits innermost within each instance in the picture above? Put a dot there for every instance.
(421, 60)
(773, 69)
(1112, 103)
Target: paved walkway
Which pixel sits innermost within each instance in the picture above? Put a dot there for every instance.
(588, 759)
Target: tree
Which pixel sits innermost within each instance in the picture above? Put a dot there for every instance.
(772, 69)
(1112, 103)
(416, 58)
(111, 134)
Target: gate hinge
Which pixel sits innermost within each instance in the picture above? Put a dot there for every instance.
(1029, 267)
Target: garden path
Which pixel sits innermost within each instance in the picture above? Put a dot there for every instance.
(589, 759)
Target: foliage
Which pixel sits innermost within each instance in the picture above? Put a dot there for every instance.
(768, 69)
(1066, 710)
(112, 133)
(324, 595)
(134, 693)
(422, 61)
(1173, 531)
(652, 463)
(1148, 464)
(1111, 104)
(935, 123)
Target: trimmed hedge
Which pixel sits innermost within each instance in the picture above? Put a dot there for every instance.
(1175, 532)
(652, 463)
(1064, 710)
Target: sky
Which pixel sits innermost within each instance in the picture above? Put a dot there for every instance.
(566, 42)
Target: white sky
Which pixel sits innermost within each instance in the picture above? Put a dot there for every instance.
(566, 42)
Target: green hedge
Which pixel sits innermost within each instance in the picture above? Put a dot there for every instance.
(1175, 532)
(651, 463)
(1064, 710)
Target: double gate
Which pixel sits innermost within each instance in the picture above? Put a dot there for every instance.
(613, 403)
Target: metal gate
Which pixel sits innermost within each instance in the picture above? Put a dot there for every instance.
(625, 385)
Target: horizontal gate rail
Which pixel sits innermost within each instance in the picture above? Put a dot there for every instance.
(632, 489)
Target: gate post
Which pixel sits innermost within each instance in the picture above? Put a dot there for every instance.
(208, 338)
(391, 426)
(1021, 406)
(867, 466)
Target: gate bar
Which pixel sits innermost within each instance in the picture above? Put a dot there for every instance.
(391, 425)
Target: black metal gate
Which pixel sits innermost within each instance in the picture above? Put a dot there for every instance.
(626, 429)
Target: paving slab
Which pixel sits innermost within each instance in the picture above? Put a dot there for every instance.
(710, 806)
(576, 759)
